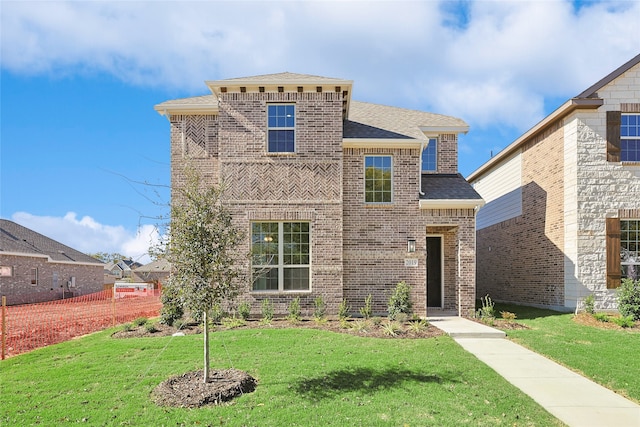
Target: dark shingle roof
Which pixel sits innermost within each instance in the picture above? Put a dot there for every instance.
(18, 239)
(447, 187)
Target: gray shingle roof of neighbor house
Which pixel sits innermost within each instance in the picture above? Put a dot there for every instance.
(16, 239)
(586, 100)
(447, 186)
(160, 265)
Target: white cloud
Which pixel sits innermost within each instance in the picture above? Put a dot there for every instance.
(492, 63)
(88, 236)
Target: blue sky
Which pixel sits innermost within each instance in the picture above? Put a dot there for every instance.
(84, 158)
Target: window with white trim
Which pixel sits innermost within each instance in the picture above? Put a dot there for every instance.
(281, 256)
(430, 156)
(378, 179)
(630, 248)
(630, 137)
(281, 128)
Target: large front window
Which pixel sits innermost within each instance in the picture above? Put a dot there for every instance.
(281, 123)
(280, 256)
(630, 138)
(377, 179)
(630, 248)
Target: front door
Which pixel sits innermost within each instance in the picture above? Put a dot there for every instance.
(434, 271)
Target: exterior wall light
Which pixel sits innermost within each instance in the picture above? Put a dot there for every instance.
(411, 245)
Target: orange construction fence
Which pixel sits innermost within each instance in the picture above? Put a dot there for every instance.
(30, 326)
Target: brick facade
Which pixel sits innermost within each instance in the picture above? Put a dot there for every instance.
(357, 249)
(52, 279)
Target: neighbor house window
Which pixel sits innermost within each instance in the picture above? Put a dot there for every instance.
(377, 179)
(630, 138)
(430, 156)
(280, 256)
(281, 123)
(34, 276)
(630, 248)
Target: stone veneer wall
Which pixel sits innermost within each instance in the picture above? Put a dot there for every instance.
(260, 186)
(521, 259)
(19, 290)
(603, 189)
(375, 238)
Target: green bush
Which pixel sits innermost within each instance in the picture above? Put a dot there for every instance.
(400, 301)
(487, 311)
(294, 310)
(172, 308)
(508, 316)
(343, 310)
(601, 317)
(233, 322)
(127, 327)
(367, 310)
(151, 327)
(244, 310)
(267, 310)
(629, 298)
(216, 314)
(319, 308)
(417, 326)
(590, 304)
(140, 321)
(625, 322)
(391, 328)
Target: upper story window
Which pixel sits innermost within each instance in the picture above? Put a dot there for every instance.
(630, 138)
(281, 122)
(430, 156)
(34, 276)
(377, 179)
(281, 256)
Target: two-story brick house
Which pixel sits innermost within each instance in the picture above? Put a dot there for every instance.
(338, 198)
(562, 219)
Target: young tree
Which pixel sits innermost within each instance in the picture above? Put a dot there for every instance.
(201, 246)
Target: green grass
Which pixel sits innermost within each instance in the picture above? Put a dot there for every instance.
(305, 378)
(609, 357)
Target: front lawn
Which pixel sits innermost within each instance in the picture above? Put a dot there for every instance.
(607, 356)
(306, 377)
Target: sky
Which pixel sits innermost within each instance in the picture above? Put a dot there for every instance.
(84, 157)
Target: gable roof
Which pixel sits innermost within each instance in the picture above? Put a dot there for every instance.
(16, 239)
(586, 100)
(368, 120)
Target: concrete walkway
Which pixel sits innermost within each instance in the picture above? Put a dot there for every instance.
(570, 397)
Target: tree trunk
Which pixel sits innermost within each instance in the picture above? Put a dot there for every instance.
(205, 318)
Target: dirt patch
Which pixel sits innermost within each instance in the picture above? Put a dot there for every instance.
(507, 325)
(587, 319)
(190, 391)
(160, 330)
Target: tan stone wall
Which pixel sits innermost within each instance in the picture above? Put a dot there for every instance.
(521, 259)
(19, 290)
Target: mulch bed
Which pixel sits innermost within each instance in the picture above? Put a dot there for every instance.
(190, 391)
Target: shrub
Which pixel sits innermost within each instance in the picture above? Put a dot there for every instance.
(150, 327)
(367, 310)
(601, 317)
(487, 311)
(319, 308)
(360, 325)
(418, 325)
(233, 322)
(625, 322)
(391, 328)
(402, 317)
(172, 309)
(590, 304)
(376, 321)
(140, 321)
(267, 310)
(629, 298)
(400, 301)
(508, 316)
(343, 310)
(244, 310)
(216, 314)
(127, 327)
(294, 310)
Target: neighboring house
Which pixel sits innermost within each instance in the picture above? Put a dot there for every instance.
(35, 268)
(156, 272)
(338, 198)
(121, 269)
(562, 219)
